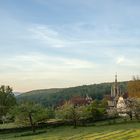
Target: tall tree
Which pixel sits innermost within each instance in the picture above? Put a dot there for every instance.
(134, 87)
(7, 100)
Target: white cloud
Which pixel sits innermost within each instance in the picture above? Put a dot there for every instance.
(34, 70)
(120, 60)
(48, 36)
(41, 63)
(127, 62)
(76, 36)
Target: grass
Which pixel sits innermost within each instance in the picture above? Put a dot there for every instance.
(125, 131)
(8, 125)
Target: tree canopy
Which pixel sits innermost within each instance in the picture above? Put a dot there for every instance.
(54, 97)
(29, 113)
(134, 87)
(7, 100)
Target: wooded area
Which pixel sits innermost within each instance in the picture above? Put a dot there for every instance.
(54, 97)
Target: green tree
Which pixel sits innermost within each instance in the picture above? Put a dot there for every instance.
(29, 113)
(69, 112)
(96, 110)
(104, 103)
(7, 100)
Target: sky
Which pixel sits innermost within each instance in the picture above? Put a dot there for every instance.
(64, 43)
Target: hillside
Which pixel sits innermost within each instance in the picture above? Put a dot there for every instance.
(16, 93)
(41, 91)
(53, 97)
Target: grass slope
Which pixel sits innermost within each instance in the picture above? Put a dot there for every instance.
(128, 131)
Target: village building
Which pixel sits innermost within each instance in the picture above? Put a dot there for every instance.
(117, 101)
(115, 94)
(79, 101)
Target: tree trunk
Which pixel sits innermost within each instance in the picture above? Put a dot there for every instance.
(130, 115)
(31, 123)
(75, 123)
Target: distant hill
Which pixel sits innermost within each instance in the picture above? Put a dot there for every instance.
(41, 91)
(55, 96)
(16, 93)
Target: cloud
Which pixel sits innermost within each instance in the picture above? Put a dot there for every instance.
(48, 36)
(25, 72)
(128, 63)
(75, 36)
(42, 63)
(120, 60)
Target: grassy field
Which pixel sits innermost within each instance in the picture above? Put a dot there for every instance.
(128, 131)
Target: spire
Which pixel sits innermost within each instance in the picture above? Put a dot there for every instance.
(116, 86)
(116, 78)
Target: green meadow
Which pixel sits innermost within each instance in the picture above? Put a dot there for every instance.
(124, 131)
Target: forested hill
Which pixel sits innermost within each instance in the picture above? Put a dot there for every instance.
(53, 97)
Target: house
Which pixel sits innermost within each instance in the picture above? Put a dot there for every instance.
(78, 100)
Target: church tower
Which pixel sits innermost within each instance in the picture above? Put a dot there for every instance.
(117, 101)
(115, 92)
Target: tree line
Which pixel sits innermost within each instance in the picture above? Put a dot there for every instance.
(29, 113)
(54, 97)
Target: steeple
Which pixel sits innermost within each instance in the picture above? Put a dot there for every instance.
(116, 87)
(116, 84)
(116, 78)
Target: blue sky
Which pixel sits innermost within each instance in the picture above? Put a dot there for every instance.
(62, 43)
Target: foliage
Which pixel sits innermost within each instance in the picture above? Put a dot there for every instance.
(55, 97)
(69, 112)
(134, 97)
(96, 110)
(134, 87)
(29, 113)
(133, 106)
(7, 100)
(50, 112)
